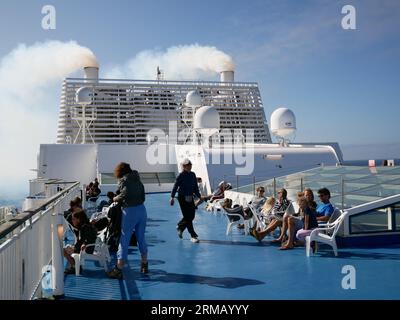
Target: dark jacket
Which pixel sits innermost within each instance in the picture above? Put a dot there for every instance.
(186, 185)
(87, 234)
(131, 190)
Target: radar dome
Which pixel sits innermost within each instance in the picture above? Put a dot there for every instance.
(193, 99)
(283, 122)
(84, 95)
(206, 120)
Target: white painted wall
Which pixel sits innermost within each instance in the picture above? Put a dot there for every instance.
(109, 155)
(70, 162)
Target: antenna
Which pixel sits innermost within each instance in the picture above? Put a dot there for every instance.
(160, 74)
(84, 97)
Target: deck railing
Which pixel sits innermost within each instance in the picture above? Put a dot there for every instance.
(29, 242)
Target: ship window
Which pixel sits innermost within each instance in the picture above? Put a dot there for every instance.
(377, 220)
(145, 177)
(397, 216)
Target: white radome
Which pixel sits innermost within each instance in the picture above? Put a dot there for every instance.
(206, 120)
(283, 122)
(84, 95)
(193, 99)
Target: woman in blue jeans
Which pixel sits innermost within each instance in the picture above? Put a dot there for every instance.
(134, 216)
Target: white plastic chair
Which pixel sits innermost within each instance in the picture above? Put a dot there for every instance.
(232, 213)
(258, 218)
(335, 214)
(100, 253)
(325, 234)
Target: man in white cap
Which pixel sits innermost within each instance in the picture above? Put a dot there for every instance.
(186, 185)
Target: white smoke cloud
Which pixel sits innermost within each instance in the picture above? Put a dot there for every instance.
(186, 62)
(30, 81)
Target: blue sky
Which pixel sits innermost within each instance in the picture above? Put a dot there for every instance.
(343, 85)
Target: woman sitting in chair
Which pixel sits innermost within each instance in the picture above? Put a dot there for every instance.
(86, 234)
(227, 205)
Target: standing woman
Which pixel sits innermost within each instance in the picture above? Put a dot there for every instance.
(186, 185)
(134, 216)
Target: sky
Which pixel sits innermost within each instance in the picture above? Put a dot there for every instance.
(342, 85)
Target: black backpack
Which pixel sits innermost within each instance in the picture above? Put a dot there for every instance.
(113, 232)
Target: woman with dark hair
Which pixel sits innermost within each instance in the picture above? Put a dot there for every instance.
(134, 216)
(85, 234)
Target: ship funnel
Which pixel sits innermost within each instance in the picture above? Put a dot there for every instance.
(91, 74)
(227, 76)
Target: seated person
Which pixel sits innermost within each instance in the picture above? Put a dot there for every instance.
(218, 194)
(257, 201)
(309, 223)
(227, 205)
(266, 209)
(305, 221)
(325, 209)
(106, 203)
(286, 217)
(86, 234)
(279, 209)
(74, 205)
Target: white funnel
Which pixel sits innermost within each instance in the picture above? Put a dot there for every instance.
(91, 74)
(227, 76)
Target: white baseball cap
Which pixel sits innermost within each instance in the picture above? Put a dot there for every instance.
(186, 161)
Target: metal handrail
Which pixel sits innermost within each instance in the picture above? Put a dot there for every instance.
(7, 227)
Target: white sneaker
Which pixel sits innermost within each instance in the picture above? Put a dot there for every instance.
(194, 240)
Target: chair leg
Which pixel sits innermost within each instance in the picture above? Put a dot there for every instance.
(308, 246)
(334, 247)
(228, 228)
(77, 259)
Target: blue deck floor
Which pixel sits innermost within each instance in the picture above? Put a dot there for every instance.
(235, 267)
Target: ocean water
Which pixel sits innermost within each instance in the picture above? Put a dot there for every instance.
(378, 162)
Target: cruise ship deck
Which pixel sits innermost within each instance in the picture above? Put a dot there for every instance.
(234, 267)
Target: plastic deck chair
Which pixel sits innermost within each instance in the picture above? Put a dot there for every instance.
(234, 218)
(257, 218)
(100, 253)
(326, 234)
(335, 214)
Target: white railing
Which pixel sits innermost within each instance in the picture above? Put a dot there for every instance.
(31, 246)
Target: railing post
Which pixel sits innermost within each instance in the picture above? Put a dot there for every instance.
(57, 251)
(274, 187)
(254, 185)
(237, 183)
(301, 184)
(83, 196)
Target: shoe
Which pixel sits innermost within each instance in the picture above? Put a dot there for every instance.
(179, 232)
(69, 270)
(240, 226)
(194, 240)
(144, 267)
(115, 273)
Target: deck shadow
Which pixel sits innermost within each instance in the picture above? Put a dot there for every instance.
(220, 282)
(237, 243)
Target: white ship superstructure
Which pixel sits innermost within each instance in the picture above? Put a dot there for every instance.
(105, 121)
(123, 111)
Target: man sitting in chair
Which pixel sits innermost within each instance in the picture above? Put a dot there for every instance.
(325, 209)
